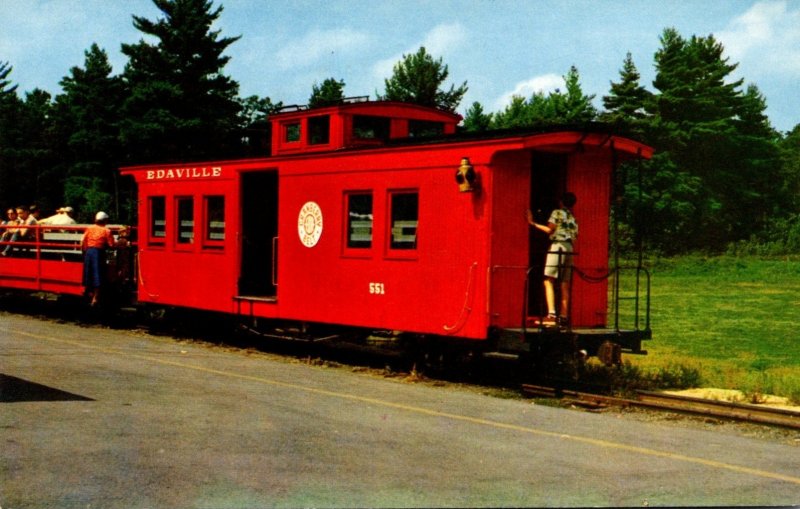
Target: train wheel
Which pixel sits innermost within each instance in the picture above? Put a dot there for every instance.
(157, 318)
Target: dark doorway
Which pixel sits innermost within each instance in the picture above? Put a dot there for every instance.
(548, 183)
(259, 234)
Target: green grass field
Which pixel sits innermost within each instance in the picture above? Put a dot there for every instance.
(734, 320)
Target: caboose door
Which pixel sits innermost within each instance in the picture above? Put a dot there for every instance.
(259, 192)
(548, 183)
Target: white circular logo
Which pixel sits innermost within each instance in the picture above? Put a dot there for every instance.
(309, 224)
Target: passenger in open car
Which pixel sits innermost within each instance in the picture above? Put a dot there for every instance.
(10, 223)
(23, 233)
(63, 216)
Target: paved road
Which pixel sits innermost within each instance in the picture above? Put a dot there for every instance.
(91, 417)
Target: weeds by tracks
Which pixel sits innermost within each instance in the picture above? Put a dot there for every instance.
(629, 378)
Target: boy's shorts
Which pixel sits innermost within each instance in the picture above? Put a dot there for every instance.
(560, 255)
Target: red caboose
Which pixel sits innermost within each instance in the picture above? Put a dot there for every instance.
(356, 220)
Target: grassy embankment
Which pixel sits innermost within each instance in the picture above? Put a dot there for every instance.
(735, 322)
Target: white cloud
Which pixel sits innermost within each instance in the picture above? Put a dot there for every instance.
(765, 38)
(443, 39)
(317, 44)
(545, 83)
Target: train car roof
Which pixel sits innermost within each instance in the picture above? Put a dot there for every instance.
(555, 137)
(354, 106)
(616, 136)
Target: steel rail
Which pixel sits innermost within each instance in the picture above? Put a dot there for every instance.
(683, 404)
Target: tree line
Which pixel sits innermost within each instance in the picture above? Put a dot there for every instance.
(722, 177)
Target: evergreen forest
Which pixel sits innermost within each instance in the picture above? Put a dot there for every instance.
(722, 180)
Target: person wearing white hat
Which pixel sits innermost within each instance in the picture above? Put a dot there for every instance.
(67, 216)
(96, 240)
(63, 216)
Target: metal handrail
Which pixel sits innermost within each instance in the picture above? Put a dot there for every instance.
(640, 274)
(37, 244)
(40, 251)
(641, 317)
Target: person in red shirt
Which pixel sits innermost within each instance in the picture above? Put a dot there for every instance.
(96, 240)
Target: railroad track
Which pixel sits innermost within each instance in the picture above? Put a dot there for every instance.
(674, 403)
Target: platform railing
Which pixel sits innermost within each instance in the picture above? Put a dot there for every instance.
(46, 259)
(46, 239)
(634, 290)
(629, 302)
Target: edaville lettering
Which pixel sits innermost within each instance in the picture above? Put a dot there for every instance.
(185, 173)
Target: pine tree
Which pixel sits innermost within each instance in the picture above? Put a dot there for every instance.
(10, 137)
(570, 107)
(698, 129)
(87, 118)
(37, 156)
(789, 148)
(573, 107)
(26, 151)
(254, 124)
(6, 89)
(89, 105)
(626, 100)
(518, 113)
(181, 105)
(476, 120)
(753, 183)
(417, 78)
(329, 93)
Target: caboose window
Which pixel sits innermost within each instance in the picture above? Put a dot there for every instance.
(158, 219)
(405, 218)
(215, 221)
(291, 132)
(367, 127)
(319, 129)
(419, 128)
(359, 220)
(185, 221)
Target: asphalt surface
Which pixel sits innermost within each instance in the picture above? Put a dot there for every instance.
(92, 417)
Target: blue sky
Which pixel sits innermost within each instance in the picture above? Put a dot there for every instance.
(500, 47)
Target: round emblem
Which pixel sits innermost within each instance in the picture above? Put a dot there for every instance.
(309, 224)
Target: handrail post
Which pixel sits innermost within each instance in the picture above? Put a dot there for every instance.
(274, 261)
(526, 300)
(638, 287)
(37, 245)
(616, 298)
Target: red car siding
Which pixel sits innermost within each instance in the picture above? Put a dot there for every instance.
(470, 245)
